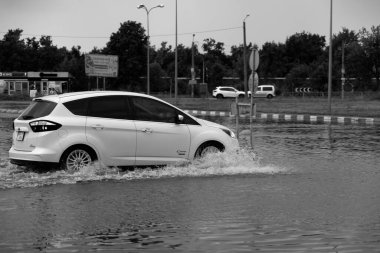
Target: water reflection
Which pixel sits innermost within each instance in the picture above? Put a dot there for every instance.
(300, 188)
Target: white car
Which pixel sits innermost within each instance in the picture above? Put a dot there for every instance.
(117, 128)
(227, 92)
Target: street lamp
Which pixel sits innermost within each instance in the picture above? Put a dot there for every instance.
(245, 58)
(330, 61)
(176, 54)
(141, 6)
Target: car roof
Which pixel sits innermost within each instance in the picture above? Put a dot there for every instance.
(65, 97)
(86, 94)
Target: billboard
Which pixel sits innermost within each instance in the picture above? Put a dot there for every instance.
(101, 65)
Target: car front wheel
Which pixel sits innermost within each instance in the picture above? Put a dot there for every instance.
(219, 96)
(207, 148)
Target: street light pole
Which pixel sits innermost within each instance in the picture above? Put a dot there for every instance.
(343, 70)
(192, 60)
(176, 55)
(245, 58)
(330, 60)
(148, 43)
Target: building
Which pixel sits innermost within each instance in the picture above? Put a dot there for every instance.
(41, 83)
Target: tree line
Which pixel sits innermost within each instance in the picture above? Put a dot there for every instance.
(301, 60)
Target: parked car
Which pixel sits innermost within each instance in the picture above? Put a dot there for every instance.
(117, 128)
(227, 92)
(266, 91)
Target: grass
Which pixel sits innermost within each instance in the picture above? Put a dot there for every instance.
(350, 106)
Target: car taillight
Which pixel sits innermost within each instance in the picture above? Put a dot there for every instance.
(44, 126)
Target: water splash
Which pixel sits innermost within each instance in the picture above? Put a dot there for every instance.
(217, 164)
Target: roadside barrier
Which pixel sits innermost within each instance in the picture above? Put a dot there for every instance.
(262, 117)
(297, 118)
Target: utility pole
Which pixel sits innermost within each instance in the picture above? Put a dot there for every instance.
(245, 58)
(176, 55)
(343, 70)
(192, 81)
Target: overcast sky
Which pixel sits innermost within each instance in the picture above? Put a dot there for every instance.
(89, 23)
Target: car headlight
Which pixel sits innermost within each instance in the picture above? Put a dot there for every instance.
(229, 133)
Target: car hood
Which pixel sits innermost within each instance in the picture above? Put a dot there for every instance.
(210, 124)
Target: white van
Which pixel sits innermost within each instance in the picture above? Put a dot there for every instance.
(265, 91)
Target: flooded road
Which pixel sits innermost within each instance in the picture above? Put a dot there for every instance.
(303, 188)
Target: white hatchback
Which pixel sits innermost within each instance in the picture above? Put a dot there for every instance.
(117, 128)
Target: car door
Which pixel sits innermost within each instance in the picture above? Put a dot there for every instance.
(259, 93)
(111, 130)
(230, 92)
(160, 140)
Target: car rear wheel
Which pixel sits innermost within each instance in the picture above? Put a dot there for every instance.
(76, 158)
(270, 96)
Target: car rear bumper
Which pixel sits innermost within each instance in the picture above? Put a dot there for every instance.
(33, 163)
(39, 155)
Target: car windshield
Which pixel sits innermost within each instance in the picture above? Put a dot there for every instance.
(37, 109)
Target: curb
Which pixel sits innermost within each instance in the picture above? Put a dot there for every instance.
(266, 117)
(11, 111)
(300, 118)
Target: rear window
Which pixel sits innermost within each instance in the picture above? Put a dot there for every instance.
(37, 109)
(77, 107)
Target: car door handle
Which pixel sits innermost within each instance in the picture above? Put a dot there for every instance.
(97, 127)
(147, 130)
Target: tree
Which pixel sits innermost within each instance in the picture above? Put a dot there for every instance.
(129, 43)
(303, 48)
(165, 57)
(12, 51)
(216, 61)
(370, 41)
(49, 56)
(273, 60)
(73, 63)
(237, 60)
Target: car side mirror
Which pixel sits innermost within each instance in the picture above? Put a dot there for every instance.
(179, 119)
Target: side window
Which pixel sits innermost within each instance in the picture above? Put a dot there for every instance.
(114, 107)
(267, 88)
(77, 107)
(147, 109)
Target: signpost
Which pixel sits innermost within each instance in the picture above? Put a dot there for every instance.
(254, 82)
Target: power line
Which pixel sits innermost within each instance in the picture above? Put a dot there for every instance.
(191, 33)
(103, 37)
